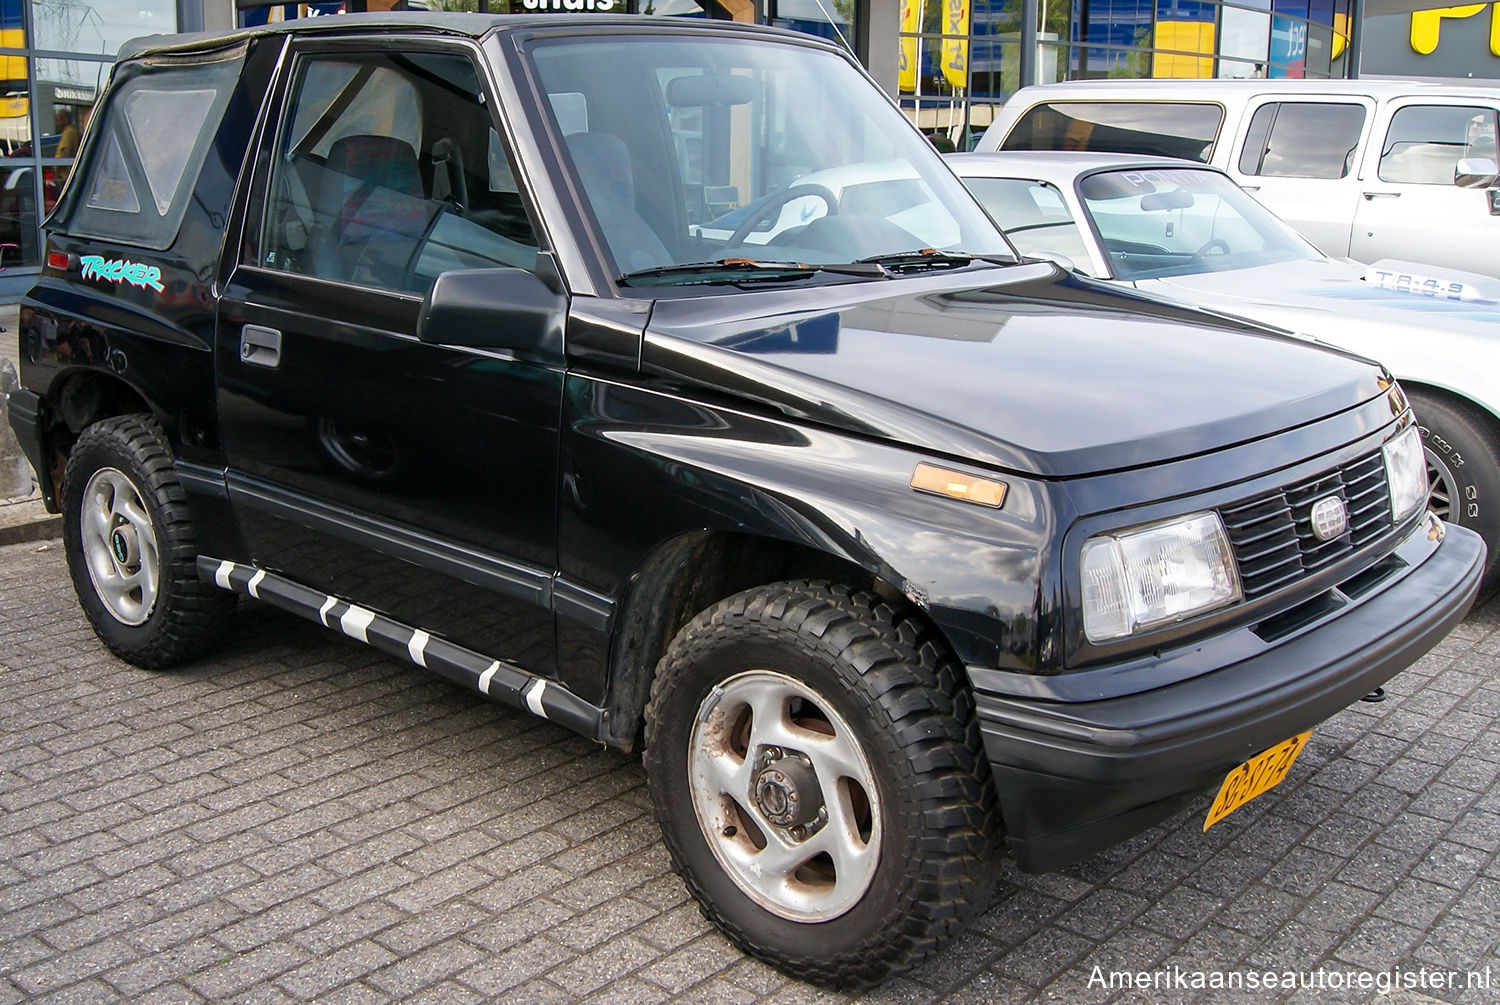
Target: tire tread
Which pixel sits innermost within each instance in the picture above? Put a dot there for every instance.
(920, 688)
(196, 616)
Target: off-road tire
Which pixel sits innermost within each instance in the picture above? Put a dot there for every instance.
(906, 698)
(1463, 464)
(188, 617)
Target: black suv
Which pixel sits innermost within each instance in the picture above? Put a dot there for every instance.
(657, 378)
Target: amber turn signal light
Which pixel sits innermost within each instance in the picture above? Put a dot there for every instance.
(957, 485)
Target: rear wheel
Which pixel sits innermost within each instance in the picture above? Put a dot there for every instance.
(131, 549)
(817, 772)
(1463, 469)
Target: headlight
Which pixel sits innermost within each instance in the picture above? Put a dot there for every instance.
(1406, 471)
(1156, 574)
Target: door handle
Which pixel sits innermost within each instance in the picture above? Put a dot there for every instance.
(1382, 195)
(260, 346)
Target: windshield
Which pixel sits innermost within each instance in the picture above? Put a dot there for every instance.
(1183, 221)
(696, 150)
(1034, 217)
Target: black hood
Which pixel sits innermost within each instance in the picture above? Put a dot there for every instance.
(1025, 368)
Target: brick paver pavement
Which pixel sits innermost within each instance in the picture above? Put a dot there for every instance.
(301, 818)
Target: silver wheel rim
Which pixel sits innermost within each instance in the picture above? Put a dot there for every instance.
(1441, 492)
(119, 546)
(759, 738)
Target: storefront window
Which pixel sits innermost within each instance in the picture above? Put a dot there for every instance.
(830, 19)
(18, 216)
(1244, 41)
(1122, 39)
(100, 26)
(47, 103)
(60, 103)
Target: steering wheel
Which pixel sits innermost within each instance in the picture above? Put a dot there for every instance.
(779, 200)
(1217, 246)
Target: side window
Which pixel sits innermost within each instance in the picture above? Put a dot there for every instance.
(389, 172)
(1152, 128)
(1303, 139)
(1425, 142)
(141, 163)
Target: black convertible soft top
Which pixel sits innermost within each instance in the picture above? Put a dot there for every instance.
(439, 22)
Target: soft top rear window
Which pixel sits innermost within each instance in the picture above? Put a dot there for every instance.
(1150, 128)
(140, 161)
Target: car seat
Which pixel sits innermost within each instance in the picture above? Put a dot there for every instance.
(371, 208)
(603, 164)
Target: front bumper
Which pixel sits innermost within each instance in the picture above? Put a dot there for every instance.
(1076, 777)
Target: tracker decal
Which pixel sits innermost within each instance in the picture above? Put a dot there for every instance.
(119, 270)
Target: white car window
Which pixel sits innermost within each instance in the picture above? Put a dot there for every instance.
(1034, 217)
(1425, 142)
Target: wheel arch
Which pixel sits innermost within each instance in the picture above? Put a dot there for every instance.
(75, 400)
(1454, 396)
(698, 501)
(688, 574)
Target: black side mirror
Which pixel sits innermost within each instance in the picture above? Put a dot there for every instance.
(496, 309)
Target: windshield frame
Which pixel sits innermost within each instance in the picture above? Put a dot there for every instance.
(880, 114)
(1249, 208)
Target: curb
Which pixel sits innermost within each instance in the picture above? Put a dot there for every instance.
(30, 522)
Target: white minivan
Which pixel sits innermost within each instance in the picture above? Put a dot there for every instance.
(1365, 169)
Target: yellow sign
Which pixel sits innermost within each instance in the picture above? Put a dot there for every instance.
(1261, 773)
(911, 55)
(956, 42)
(1174, 40)
(1427, 25)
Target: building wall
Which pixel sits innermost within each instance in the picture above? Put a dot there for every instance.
(1461, 42)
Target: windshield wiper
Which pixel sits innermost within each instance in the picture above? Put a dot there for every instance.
(928, 258)
(748, 270)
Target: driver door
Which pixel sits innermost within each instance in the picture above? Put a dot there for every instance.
(1410, 208)
(415, 479)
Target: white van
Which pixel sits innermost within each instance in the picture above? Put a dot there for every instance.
(1365, 169)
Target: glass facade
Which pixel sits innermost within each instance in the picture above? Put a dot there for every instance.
(960, 59)
(741, 10)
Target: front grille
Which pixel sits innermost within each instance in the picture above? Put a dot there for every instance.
(1272, 533)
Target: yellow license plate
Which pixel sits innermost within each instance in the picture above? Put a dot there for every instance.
(1261, 773)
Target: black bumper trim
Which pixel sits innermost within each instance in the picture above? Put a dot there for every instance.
(1074, 778)
(202, 479)
(25, 408)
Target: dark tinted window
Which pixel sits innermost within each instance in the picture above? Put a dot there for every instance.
(1303, 139)
(142, 162)
(1425, 142)
(389, 172)
(1154, 128)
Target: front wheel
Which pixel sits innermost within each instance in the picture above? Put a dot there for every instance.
(815, 765)
(131, 549)
(1463, 470)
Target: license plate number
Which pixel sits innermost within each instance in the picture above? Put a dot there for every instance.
(1261, 773)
